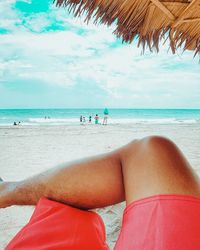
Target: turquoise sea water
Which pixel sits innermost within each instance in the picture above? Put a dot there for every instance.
(116, 116)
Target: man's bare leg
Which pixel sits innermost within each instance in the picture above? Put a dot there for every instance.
(153, 165)
(90, 183)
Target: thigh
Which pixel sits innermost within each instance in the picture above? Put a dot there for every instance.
(90, 183)
(155, 165)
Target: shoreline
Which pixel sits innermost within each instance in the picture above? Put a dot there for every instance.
(111, 121)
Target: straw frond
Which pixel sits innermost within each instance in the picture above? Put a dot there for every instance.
(148, 20)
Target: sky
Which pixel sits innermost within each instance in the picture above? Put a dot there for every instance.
(49, 59)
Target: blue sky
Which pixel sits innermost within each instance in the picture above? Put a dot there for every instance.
(49, 59)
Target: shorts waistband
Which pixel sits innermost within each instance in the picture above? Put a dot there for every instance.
(162, 197)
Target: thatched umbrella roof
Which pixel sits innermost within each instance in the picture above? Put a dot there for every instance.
(149, 20)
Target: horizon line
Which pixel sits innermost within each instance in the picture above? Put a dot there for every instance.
(101, 108)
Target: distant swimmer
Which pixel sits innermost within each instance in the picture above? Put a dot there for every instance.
(15, 123)
(105, 119)
(90, 119)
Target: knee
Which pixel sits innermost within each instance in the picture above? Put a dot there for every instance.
(157, 143)
(151, 145)
(156, 139)
(153, 142)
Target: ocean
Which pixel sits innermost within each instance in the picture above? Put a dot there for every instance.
(116, 116)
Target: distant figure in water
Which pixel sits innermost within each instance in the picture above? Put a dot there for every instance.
(96, 118)
(105, 119)
(81, 119)
(90, 119)
(14, 124)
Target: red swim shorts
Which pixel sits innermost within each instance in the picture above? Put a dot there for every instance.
(161, 222)
(55, 226)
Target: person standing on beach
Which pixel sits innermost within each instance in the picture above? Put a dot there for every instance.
(96, 118)
(81, 119)
(90, 119)
(105, 119)
(84, 121)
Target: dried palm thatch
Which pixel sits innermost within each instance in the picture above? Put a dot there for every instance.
(148, 20)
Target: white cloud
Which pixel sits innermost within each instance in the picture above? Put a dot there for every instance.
(60, 78)
(63, 58)
(8, 17)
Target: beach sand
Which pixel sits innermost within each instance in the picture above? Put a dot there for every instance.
(26, 151)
